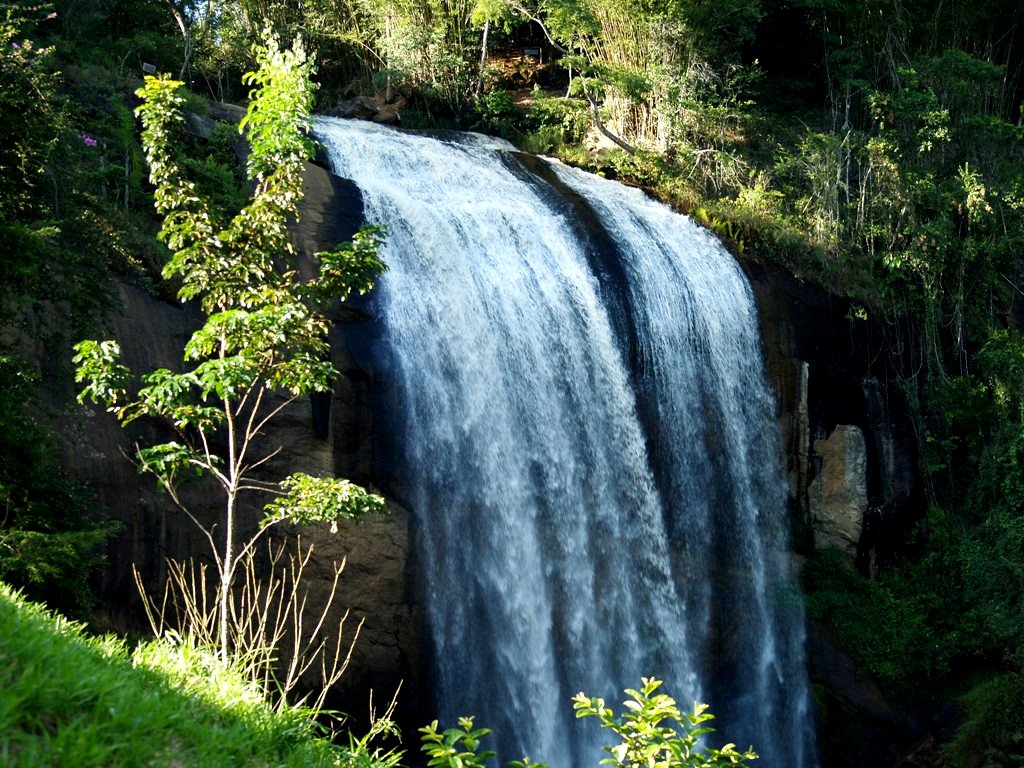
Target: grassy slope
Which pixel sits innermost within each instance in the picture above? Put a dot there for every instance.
(69, 699)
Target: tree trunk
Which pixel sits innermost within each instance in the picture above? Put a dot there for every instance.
(483, 58)
(619, 142)
(186, 35)
(227, 564)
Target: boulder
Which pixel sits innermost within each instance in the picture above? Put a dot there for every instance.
(359, 107)
(389, 113)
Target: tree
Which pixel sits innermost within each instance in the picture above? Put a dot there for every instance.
(263, 344)
(656, 75)
(425, 45)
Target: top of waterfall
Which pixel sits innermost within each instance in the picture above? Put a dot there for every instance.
(464, 138)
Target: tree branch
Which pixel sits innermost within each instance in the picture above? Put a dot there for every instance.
(598, 123)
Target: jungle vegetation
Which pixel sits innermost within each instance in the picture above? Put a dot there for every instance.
(874, 148)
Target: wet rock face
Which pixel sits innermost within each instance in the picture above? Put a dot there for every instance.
(838, 494)
(851, 458)
(151, 334)
(850, 454)
(373, 588)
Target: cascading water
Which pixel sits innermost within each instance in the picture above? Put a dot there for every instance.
(588, 445)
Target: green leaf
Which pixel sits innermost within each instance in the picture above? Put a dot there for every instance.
(306, 499)
(173, 462)
(265, 328)
(98, 367)
(226, 378)
(351, 267)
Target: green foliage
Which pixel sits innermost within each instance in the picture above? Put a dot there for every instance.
(992, 556)
(995, 723)
(45, 234)
(647, 737)
(427, 50)
(264, 340)
(106, 379)
(67, 698)
(351, 267)
(71, 173)
(455, 747)
(553, 125)
(364, 751)
(260, 332)
(60, 229)
(893, 176)
(219, 180)
(541, 125)
(497, 12)
(498, 112)
(30, 109)
(50, 531)
(956, 604)
(907, 631)
(309, 499)
(975, 451)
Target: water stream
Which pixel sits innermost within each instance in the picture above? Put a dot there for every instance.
(588, 445)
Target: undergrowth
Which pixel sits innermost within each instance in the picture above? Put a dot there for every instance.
(71, 699)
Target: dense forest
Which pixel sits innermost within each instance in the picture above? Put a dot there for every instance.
(875, 149)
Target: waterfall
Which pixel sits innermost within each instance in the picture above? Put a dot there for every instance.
(588, 448)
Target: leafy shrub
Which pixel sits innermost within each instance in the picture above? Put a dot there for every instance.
(554, 124)
(499, 112)
(995, 723)
(652, 732)
(905, 631)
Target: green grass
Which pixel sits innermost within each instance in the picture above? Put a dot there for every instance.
(72, 700)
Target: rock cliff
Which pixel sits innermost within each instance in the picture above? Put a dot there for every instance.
(850, 451)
